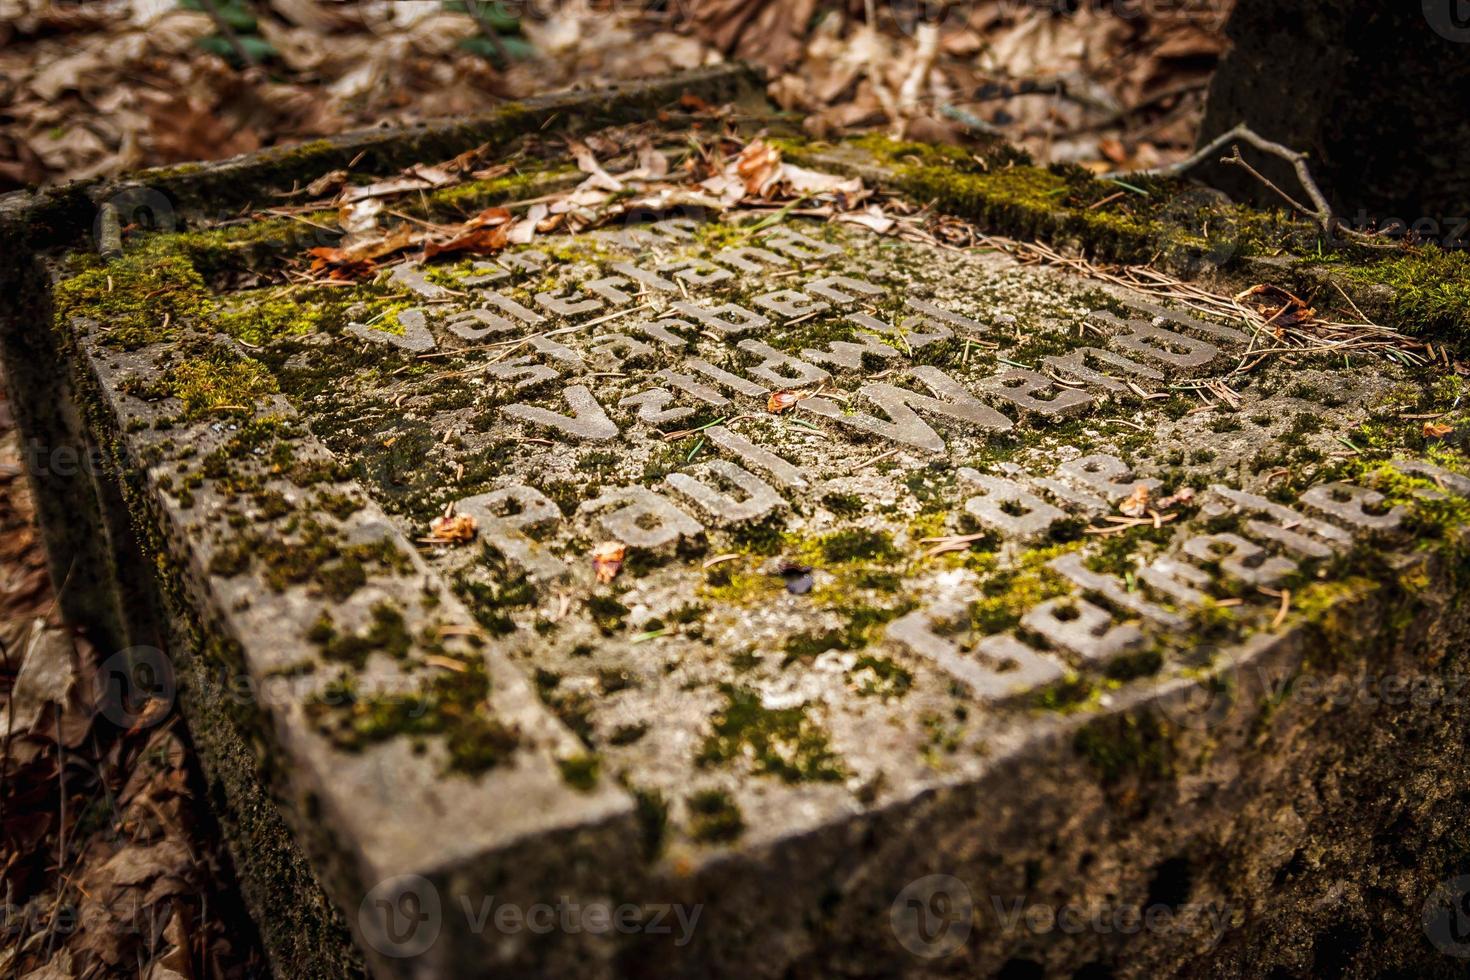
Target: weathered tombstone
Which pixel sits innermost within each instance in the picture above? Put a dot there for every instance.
(1021, 644)
(1375, 94)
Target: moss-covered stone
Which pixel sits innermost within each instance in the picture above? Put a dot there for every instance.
(782, 742)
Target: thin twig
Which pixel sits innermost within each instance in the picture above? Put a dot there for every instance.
(1235, 159)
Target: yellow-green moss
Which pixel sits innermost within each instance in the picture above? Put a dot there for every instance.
(260, 318)
(220, 381)
(135, 298)
(475, 195)
(1431, 288)
(1138, 221)
(783, 742)
(1010, 593)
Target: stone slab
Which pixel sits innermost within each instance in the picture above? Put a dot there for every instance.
(786, 734)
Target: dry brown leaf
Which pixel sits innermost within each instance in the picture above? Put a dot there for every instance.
(1184, 496)
(484, 234)
(597, 178)
(338, 264)
(757, 166)
(872, 218)
(453, 529)
(1113, 149)
(412, 179)
(1137, 503)
(781, 400)
(140, 865)
(330, 181)
(1437, 430)
(607, 560)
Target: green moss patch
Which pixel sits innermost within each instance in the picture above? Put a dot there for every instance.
(387, 634)
(1431, 289)
(580, 771)
(714, 817)
(309, 554)
(783, 742)
(219, 381)
(1136, 221)
(136, 298)
(451, 704)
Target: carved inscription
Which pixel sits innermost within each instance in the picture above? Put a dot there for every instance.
(658, 358)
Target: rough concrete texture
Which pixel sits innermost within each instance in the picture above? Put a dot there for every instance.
(1126, 745)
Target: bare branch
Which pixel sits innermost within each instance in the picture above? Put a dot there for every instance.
(1321, 211)
(1236, 159)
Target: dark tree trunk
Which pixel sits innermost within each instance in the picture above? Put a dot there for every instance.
(1378, 94)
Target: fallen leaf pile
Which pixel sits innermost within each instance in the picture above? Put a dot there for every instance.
(712, 178)
(106, 870)
(97, 89)
(101, 88)
(1108, 85)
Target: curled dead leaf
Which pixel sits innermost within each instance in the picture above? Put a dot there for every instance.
(484, 234)
(1184, 496)
(607, 560)
(1137, 503)
(782, 400)
(453, 529)
(758, 166)
(338, 264)
(1437, 430)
